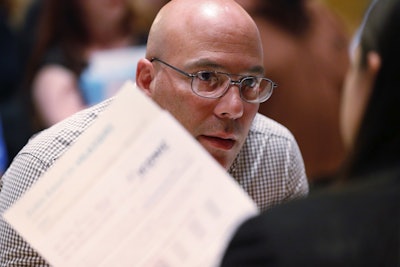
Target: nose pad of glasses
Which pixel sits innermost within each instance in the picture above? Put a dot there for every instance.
(237, 84)
(238, 92)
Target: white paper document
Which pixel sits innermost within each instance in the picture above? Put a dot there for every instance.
(134, 190)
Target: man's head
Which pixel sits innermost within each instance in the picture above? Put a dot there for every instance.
(203, 35)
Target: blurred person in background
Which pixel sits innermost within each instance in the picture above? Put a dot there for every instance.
(305, 50)
(357, 221)
(70, 34)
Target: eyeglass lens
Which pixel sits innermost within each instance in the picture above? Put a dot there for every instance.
(214, 85)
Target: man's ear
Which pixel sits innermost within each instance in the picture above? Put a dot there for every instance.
(370, 73)
(373, 66)
(144, 75)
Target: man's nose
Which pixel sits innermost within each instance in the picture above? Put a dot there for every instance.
(230, 105)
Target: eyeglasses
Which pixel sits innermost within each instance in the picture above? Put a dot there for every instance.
(214, 84)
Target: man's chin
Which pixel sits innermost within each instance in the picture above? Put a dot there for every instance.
(224, 163)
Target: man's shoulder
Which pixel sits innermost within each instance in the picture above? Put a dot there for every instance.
(50, 143)
(268, 127)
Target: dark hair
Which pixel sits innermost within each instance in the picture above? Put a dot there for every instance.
(5, 7)
(378, 141)
(59, 23)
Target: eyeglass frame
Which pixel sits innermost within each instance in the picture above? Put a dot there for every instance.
(238, 83)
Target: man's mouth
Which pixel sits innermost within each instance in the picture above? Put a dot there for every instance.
(220, 143)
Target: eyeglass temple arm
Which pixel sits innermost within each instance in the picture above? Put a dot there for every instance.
(172, 67)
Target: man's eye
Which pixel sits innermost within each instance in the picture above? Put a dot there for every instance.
(249, 82)
(206, 76)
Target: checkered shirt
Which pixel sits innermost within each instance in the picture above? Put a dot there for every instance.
(269, 168)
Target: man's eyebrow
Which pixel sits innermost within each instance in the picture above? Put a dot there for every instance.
(208, 64)
(204, 63)
(257, 69)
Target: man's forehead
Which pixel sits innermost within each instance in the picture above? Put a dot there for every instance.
(215, 64)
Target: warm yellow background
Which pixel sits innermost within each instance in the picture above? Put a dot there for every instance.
(351, 11)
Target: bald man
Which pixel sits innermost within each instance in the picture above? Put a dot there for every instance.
(204, 64)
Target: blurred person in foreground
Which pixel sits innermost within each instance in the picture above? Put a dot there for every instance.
(305, 48)
(208, 72)
(357, 221)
